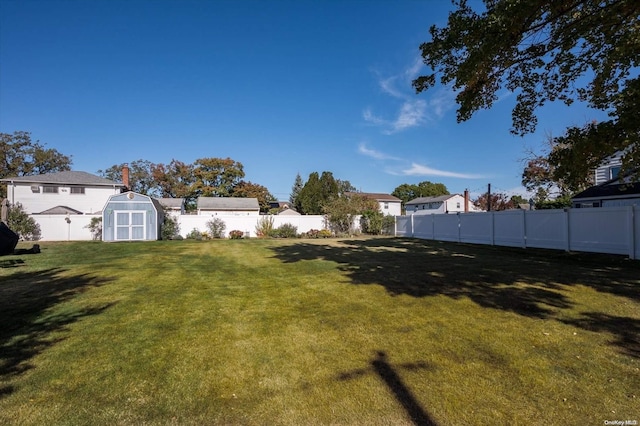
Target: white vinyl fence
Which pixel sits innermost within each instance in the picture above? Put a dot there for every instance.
(247, 224)
(57, 228)
(614, 230)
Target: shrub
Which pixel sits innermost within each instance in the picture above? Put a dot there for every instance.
(388, 224)
(216, 227)
(286, 230)
(95, 227)
(264, 228)
(23, 225)
(170, 229)
(315, 233)
(236, 235)
(371, 222)
(194, 235)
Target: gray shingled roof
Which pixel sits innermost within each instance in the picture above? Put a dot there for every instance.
(376, 196)
(61, 210)
(228, 203)
(171, 202)
(423, 200)
(65, 178)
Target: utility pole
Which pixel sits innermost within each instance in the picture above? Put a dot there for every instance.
(489, 197)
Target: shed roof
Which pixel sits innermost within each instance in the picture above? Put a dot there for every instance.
(228, 203)
(423, 200)
(65, 178)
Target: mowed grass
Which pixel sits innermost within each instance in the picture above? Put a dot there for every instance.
(372, 331)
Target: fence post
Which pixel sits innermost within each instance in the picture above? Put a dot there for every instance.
(632, 232)
(412, 232)
(567, 233)
(493, 229)
(524, 228)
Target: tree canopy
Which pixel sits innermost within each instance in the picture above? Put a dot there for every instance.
(561, 50)
(407, 191)
(20, 156)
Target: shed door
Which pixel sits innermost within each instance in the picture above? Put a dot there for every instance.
(130, 225)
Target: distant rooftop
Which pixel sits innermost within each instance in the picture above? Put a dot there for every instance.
(65, 178)
(228, 203)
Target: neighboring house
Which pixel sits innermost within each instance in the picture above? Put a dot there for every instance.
(281, 205)
(611, 188)
(234, 206)
(61, 193)
(173, 206)
(609, 194)
(609, 169)
(442, 204)
(389, 205)
(288, 212)
(131, 217)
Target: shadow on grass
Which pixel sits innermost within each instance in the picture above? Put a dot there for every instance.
(27, 317)
(388, 374)
(526, 282)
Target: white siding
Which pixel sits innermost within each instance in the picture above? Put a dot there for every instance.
(92, 201)
(393, 208)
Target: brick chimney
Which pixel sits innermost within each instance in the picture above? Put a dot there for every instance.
(466, 201)
(125, 176)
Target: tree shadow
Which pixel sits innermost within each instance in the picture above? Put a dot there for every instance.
(626, 330)
(526, 282)
(26, 299)
(388, 373)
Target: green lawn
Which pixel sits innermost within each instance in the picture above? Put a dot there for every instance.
(377, 331)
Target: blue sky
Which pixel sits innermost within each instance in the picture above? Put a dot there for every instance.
(282, 86)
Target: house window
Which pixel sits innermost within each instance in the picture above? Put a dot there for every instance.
(35, 188)
(77, 190)
(50, 189)
(458, 205)
(614, 172)
(386, 205)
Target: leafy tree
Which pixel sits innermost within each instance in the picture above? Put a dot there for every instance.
(563, 50)
(175, 180)
(170, 229)
(407, 192)
(345, 186)
(216, 177)
(246, 189)
(22, 224)
(141, 178)
(298, 184)
(95, 227)
(20, 156)
(318, 191)
(341, 211)
(499, 201)
(554, 173)
(516, 200)
(309, 199)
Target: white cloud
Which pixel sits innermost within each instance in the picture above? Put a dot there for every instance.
(411, 114)
(420, 170)
(364, 150)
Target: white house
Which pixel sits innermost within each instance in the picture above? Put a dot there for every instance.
(389, 205)
(233, 206)
(442, 204)
(61, 193)
(609, 169)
